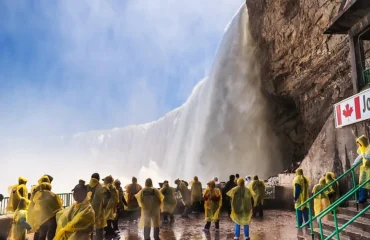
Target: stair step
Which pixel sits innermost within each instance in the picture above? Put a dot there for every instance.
(361, 206)
(307, 236)
(361, 223)
(350, 231)
(352, 211)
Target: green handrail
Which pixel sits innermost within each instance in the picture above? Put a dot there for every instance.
(333, 207)
(309, 201)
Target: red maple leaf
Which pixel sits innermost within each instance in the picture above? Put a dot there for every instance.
(348, 111)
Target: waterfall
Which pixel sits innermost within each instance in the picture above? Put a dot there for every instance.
(221, 129)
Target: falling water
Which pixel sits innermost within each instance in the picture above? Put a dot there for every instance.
(221, 129)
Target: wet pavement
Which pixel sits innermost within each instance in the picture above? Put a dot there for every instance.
(275, 225)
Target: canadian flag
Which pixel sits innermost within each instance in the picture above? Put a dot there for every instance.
(348, 111)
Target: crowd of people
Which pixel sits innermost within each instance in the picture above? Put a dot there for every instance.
(98, 206)
(327, 189)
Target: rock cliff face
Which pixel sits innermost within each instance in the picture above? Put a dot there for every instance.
(305, 72)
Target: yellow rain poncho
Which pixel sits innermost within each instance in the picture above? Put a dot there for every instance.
(150, 201)
(16, 192)
(76, 222)
(131, 191)
(185, 192)
(365, 174)
(241, 204)
(18, 232)
(364, 149)
(45, 205)
(97, 199)
(110, 211)
(121, 194)
(257, 188)
(363, 145)
(304, 183)
(333, 190)
(321, 202)
(196, 191)
(212, 203)
(169, 201)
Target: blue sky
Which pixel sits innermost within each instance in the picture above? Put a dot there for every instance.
(70, 66)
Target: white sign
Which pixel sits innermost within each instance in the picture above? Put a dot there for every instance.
(353, 109)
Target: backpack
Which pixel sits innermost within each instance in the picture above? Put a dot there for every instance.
(238, 200)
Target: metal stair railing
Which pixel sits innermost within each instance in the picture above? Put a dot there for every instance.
(309, 201)
(333, 208)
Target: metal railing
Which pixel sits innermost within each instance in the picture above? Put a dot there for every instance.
(66, 197)
(333, 208)
(3, 205)
(309, 201)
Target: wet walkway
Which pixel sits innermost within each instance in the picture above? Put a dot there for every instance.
(275, 225)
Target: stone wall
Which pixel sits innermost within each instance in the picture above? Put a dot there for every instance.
(305, 72)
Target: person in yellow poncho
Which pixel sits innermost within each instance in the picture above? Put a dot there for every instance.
(121, 203)
(196, 194)
(300, 191)
(97, 202)
(185, 195)
(42, 213)
(364, 153)
(241, 208)
(35, 189)
(20, 225)
(16, 192)
(169, 202)
(110, 211)
(150, 201)
(77, 221)
(333, 190)
(321, 202)
(212, 205)
(132, 204)
(257, 188)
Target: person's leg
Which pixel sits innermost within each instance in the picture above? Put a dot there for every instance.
(99, 234)
(246, 231)
(229, 207)
(43, 231)
(172, 218)
(115, 224)
(261, 210)
(305, 214)
(237, 230)
(207, 226)
(362, 196)
(300, 217)
(146, 233)
(36, 236)
(217, 225)
(156, 233)
(52, 227)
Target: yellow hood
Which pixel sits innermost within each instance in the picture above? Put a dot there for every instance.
(363, 143)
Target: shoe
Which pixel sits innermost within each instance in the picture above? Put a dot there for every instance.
(236, 238)
(247, 238)
(217, 230)
(206, 230)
